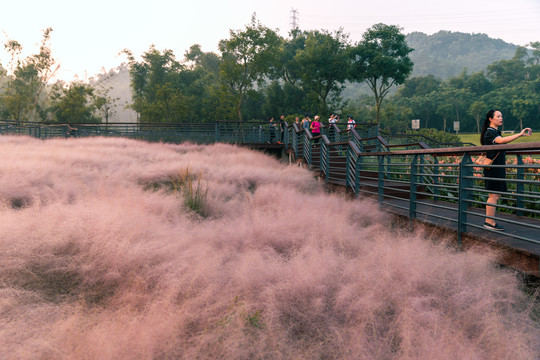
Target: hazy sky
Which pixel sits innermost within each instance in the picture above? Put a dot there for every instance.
(88, 35)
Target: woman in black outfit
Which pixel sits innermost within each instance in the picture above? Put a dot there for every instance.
(491, 136)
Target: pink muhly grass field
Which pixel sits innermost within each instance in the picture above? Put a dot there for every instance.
(101, 259)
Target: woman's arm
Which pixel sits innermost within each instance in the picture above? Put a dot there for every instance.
(507, 139)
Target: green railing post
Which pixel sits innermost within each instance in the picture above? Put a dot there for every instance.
(435, 178)
(327, 159)
(216, 129)
(413, 188)
(357, 167)
(520, 175)
(380, 180)
(463, 194)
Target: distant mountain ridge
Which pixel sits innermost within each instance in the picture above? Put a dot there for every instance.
(445, 53)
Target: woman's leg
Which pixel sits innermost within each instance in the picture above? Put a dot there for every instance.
(490, 209)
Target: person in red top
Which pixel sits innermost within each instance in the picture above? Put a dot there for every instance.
(316, 127)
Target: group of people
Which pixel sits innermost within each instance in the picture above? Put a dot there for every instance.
(314, 126)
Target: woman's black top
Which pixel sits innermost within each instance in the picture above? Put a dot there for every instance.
(499, 159)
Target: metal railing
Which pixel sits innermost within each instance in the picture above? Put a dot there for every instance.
(248, 132)
(440, 184)
(410, 178)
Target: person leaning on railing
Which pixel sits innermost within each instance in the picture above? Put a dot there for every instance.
(490, 136)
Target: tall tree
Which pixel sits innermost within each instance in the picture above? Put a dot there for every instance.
(381, 59)
(157, 96)
(25, 94)
(323, 66)
(73, 104)
(477, 110)
(247, 57)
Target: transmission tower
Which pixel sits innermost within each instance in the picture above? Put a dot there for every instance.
(294, 19)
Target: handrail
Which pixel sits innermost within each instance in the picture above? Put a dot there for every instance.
(386, 172)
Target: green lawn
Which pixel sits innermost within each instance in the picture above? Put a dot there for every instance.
(475, 138)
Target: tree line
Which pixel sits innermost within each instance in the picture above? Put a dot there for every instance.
(27, 95)
(258, 74)
(512, 86)
(255, 75)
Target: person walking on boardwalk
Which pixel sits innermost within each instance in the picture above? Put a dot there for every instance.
(491, 135)
(316, 127)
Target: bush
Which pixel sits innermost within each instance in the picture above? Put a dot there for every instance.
(434, 137)
(194, 198)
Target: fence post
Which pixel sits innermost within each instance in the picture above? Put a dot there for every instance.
(357, 167)
(520, 186)
(327, 159)
(216, 129)
(463, 195)
(435, 178)
(413, 188)
(380, 180)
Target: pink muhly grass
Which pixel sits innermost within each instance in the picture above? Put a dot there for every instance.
(101, 260)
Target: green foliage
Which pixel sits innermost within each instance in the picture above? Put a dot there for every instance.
(73, 104)
(194, 197)
(247, 57)
(237, 314)
(24, 97)
(467, 98)
(381, 59)
(323, 62)
(438, 137)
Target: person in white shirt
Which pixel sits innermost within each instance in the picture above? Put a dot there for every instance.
(351, 124)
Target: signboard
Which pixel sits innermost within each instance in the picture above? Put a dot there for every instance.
(415, 124)
(456, 126)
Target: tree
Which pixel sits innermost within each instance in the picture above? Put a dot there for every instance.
(247, 57)
(157, 96)
(73, 104)
(289, 70)
(477, 110)
(381, 59)
(105, 104)
(24, 97)
(323, 67)
(419, 86)
(505, 72)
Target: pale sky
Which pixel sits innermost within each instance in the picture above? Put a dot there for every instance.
(88, 35)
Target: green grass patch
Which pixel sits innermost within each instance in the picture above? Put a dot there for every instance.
(194, 195)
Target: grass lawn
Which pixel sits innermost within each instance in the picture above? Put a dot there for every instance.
(475, 138)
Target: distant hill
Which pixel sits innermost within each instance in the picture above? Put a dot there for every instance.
(447, 53)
